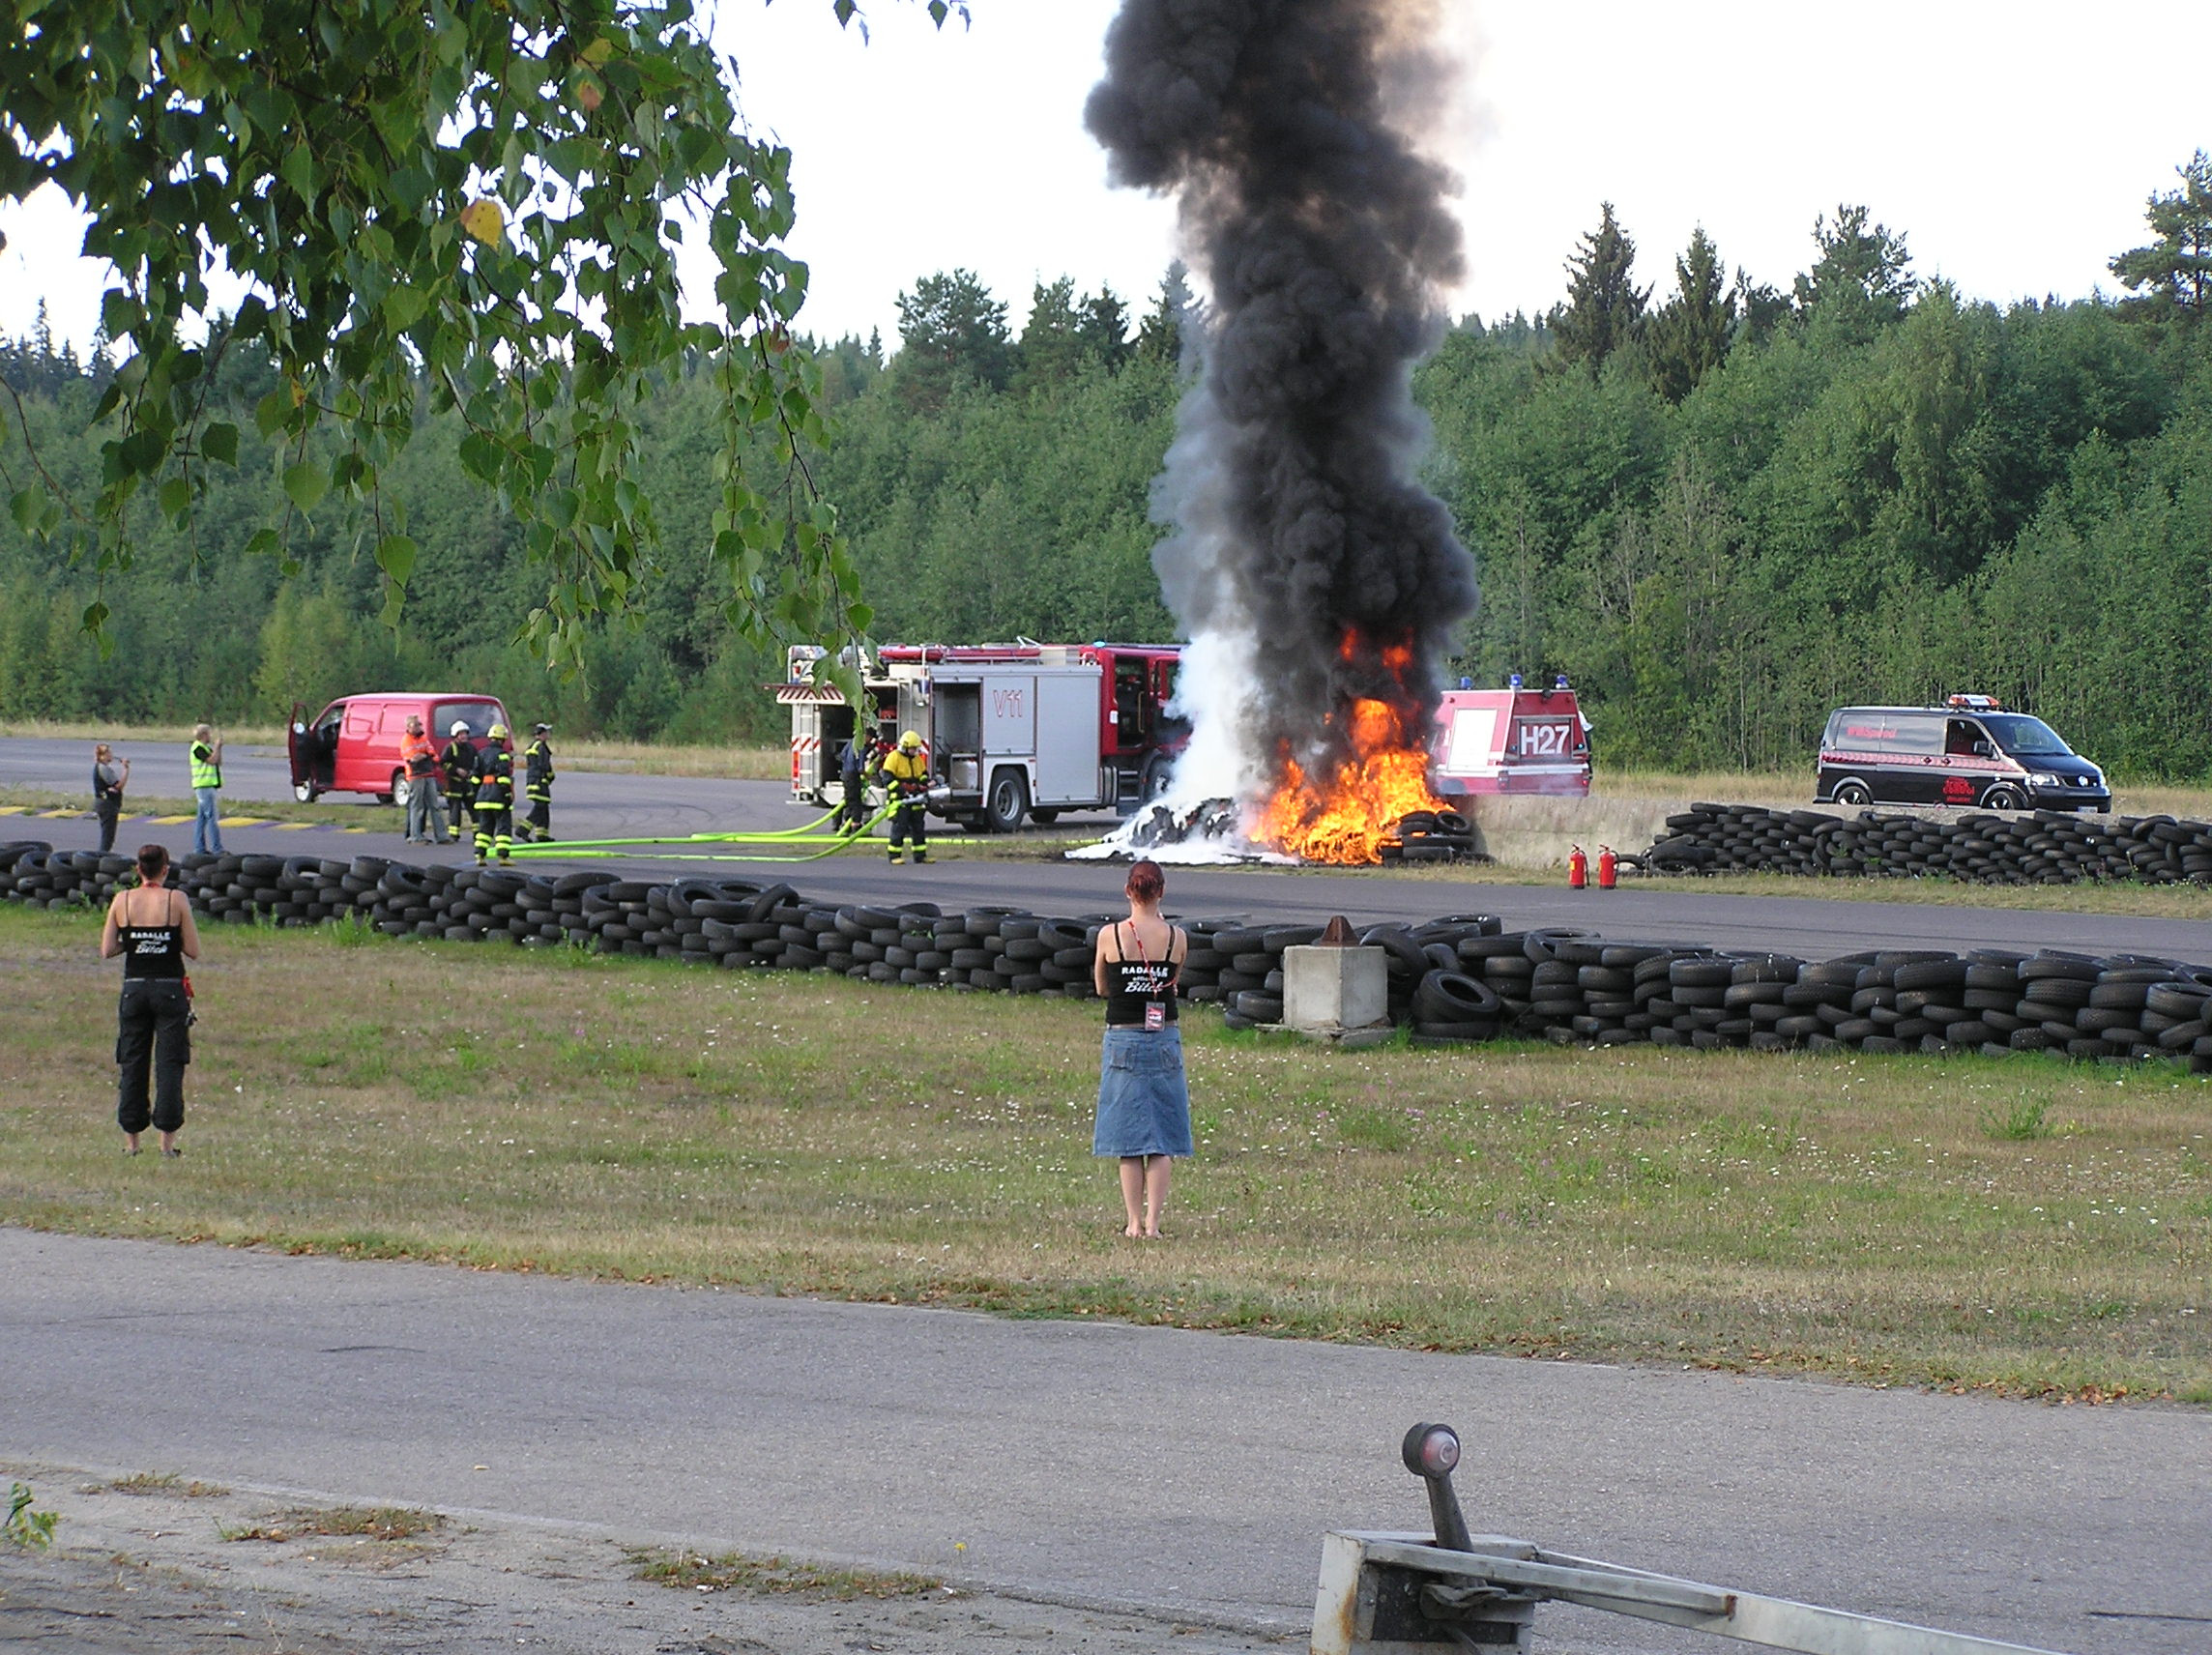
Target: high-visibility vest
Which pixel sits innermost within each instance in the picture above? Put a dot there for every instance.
(206, 772)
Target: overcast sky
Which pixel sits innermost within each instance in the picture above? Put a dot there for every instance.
(2013, 143)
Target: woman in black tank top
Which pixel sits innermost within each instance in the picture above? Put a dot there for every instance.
(151, 926)
(1144, 1102)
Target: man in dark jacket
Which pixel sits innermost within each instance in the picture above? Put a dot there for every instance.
(460, 763)
(495, 796)
(538, 786)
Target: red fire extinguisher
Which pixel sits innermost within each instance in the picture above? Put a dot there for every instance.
(1578, 870)
(1608, 869)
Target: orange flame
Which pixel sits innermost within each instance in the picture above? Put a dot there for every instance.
(1346, 818)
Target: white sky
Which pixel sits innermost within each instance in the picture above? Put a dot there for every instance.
(2013, 143)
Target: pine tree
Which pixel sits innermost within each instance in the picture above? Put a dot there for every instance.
(1159, 336)
(1604, 308)
(951, 330)
(1051, 347)
(1861, 280)
(1690, 333)
(1102, 321)
(2171, 278)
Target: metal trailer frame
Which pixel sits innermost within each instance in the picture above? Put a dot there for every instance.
(1414, 1595)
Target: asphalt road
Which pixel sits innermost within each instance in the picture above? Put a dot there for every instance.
(603, 805)
(1139, 1466)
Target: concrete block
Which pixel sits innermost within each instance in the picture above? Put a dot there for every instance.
(1328, 988)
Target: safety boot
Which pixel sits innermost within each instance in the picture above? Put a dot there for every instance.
(896, 858)
(920, 857)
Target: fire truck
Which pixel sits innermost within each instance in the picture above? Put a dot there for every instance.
(1014, 732)
(1515, 741)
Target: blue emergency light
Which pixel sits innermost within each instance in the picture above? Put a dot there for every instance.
(1512, 681)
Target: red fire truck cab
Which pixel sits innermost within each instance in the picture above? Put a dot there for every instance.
(353, 744)
(1514, 740)
(1012, 730)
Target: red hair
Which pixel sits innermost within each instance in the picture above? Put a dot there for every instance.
(1146, 884)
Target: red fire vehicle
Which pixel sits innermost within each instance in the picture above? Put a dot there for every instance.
(1013, 731)
(353, 744)
(1514, 740)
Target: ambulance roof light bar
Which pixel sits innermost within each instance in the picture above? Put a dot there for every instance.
(1976, 703)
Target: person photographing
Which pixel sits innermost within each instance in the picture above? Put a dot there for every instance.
(1144, 1100)
(110, 778)
(150, 925)
(206, 755)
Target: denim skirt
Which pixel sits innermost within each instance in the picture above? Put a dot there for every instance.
(1144, 1106)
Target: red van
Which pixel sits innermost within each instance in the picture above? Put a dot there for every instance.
(353, 744)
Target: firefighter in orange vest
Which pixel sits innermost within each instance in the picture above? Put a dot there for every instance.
(906, 778)
(425, 810)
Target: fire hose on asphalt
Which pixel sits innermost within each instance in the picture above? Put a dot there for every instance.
(804, 838)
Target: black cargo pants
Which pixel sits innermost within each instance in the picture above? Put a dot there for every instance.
(154, 1040)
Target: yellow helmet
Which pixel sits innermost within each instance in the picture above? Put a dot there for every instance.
(497, 732)
(910, 741)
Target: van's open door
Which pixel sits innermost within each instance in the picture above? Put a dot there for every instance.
(296, 747)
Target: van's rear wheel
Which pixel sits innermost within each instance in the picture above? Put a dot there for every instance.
(1853, 793)
(398, 793)
(304, 792)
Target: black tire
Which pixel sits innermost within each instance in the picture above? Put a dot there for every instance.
(1008, 801)
(306, 792)
(2003, 797)
(1853, 793)
(1044, 818)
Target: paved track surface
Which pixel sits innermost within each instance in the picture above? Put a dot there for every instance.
(600, 805)
(1143, 1466)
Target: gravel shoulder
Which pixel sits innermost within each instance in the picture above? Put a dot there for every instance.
(152, 1574)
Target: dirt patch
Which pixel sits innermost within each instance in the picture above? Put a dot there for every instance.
(152, 1573)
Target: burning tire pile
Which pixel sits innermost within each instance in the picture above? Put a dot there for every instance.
(2046, 848)
(1462, 978)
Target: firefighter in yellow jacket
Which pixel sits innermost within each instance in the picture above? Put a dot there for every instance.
(906, 779)
(495, 795)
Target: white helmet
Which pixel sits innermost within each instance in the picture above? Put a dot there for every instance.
(460, 728)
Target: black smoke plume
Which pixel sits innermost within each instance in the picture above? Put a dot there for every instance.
(1280, 127)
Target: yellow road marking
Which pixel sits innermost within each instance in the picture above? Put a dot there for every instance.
(12, 809)
(170, 821)
(242, 822)
(294, 826)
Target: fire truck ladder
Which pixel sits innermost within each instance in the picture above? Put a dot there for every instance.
(1401, 1594)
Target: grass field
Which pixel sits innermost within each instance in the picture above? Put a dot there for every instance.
(2026, 1227)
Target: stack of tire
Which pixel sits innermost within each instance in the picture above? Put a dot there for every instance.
(34, 873)
(1458, 978)
(1429, 837)
(2045, 848)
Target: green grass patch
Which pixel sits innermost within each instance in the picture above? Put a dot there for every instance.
(2025, 1226)
(389, 1523)
(772, 1577)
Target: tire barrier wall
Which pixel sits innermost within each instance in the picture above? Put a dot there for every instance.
(1458, 978)
(2045, 848)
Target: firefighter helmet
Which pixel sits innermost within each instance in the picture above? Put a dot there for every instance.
(497, 732)
(460, 728)
(910, 741)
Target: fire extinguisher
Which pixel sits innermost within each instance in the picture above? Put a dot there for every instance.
(1578, 870)
(1608, 869)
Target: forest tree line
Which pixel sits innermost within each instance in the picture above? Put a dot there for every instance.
(1723, 508)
